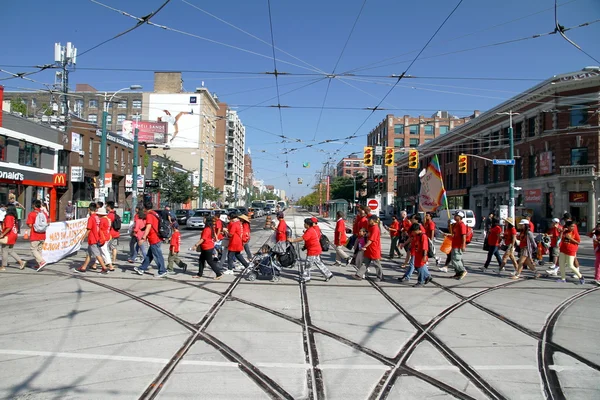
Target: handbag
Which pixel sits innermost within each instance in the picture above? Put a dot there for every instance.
(504, 247)
(486, 246)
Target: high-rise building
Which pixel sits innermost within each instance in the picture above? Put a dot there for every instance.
(230, 174)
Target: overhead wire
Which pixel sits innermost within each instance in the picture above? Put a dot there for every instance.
(561, 30)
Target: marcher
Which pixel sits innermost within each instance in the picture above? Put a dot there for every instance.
(70, 211)
(554, 271)
(340, 240)
(569, 244)
(136, 231)
(12, 201)
(8, 238)
(528, 248)
(37, 220)
(459, 245)
(430, 228)
(93, 238)
(246, 235)
(395, 232)
(596, 237)
(493, 238)
(488, 222)
(510, 241)
(104, 234)
(281, 230)
(527, 216)
(236, 245)
(362, 240)
(151, 236)
(313, 251)
(174, 247)
(207, 247)
(421, 247)
(115, 226)
(372, 251)
(554, 232)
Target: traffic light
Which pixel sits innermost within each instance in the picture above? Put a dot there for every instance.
(413, 159)
(462, 164)
(368, 156)
(389, 156)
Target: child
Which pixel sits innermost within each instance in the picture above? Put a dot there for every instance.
(420, 248)
(360, 243)
(174, 251)
(597, 252)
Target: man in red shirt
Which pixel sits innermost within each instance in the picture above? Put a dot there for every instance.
(93, 240)
(569, 244)
(114, 234)
(493, 238)
(459, 245)
(236, 244)
(281, 230)
(37, 238)
(313, 251)
(395, 235)
(339, 240)
(420, 245)
(154, 252)
(174, 247)
(372, 251)
(554, 232)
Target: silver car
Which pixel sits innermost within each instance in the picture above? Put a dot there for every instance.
(196, 221)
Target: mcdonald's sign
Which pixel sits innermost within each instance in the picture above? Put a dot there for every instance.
(59, 180)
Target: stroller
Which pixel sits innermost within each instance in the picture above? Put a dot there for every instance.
(269, 261)
(543, 245)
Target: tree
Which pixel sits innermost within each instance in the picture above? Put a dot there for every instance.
(175, 187)
(271, 196)
(18, 105)
(210, 193)
(342, 187)
(229, 196)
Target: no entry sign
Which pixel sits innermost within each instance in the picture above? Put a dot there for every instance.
(373, 204)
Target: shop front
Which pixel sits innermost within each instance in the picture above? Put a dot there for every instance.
(579, 208)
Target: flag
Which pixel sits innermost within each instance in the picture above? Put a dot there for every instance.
(433, 194)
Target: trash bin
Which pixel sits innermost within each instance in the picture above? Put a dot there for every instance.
(126, 217)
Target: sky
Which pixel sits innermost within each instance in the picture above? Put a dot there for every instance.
(227, 45)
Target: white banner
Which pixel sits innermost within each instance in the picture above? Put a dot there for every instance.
(63, 238)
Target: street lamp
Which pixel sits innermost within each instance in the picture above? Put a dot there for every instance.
(511, 166)
(103, 140)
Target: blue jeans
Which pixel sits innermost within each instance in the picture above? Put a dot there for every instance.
(154, 253)
(135, 248)
(411, 268)
(423, 274)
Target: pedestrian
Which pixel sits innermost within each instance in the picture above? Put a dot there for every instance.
(510, 242)
(169, 215)
(246, 230)
(37, 220)
(596, 238)
(115, 228)
(372, 251)
(361, 241)
(313, 251)
(553, 271)
(430, 228)
(70, 211)
(174, 246)
(136, 232)
(411, 250)
(527, 216)
(93, 239)
(154, 252)
(488, 222)
(8, 238)
(459, 245)
(12, 201)
(207, 248)
(493, 238)
(339, 240)
(395, 235)
(224, 243)
(528, 249)
(448, 252)
(554, 233)
(236, 244)
(281, 230)
(104, 235)
(569, 245)
(421, 247)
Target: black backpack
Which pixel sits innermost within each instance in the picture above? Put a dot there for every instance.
(324, 242)
(288, 258)
(430, 248)
(116, 224)
(165, 231)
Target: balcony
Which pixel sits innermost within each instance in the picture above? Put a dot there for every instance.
(578, 170)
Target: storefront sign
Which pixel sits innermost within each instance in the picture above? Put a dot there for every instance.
(108, 180)
(115, 139)
(12, 175)
(578, 197)
(533, 196)
(545, 163)
(59, 180)
(63, 238)
(456, 192)
(76, 174)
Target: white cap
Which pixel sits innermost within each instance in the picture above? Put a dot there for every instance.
(524, 222)
(101, 211)
(460, 214)
(555, 220)
(452, 222)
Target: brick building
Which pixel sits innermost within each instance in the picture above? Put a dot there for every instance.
(556, 136)
(351, 166)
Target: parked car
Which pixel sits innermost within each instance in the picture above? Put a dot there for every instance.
(259, 212)
(269, 210)
(243, 210)
(197, 220)
(441, 218)
(183, 215)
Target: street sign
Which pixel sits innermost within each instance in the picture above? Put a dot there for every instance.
(152, 183)
(377, 170)
(504, 162)
(378, 150)
(373, 204)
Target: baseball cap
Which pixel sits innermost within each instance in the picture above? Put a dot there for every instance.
(175, 225)
(523, 222)
(452, 222)
(101, 211)
(314, 220)
(556, 220)
(460, 214)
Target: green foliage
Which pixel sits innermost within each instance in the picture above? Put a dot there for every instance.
(210, 193)
(18, 105)
(47, 110)
(342, 187)
(175, 187)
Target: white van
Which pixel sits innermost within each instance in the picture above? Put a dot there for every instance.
(441, 218)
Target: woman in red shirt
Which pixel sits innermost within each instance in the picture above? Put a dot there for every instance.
(510, 240)
(246, 235)
(313, 251)
(207, 247)
(569, 244)
(236, 244)
(339, 240)
(493, 239)
(372, 250)
(9, 234)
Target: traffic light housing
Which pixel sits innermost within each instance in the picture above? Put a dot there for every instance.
(368, 156)
(389, 156)
(463, 167)
(413, 159)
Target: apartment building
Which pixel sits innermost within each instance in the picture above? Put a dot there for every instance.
(230, 158)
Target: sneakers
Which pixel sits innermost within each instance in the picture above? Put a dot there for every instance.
(552, 271)
(443, 269)
(358, 278)
(328, 278)
(171, 273)
(22, 264)
(130, 261)
(514, 277)
(239, 268)
(228, 272)
(428, 279)
(138, 270)
(184, 267)
(41, 267)
(582, 281)
(336, 264)
(461, 275)
(597, 282)
(104, 271)
(419, 284)
(561, 281)
(218, 277)
(348, 261)
(483, 269)
(404, 279)
(159, 275)
(79, 270)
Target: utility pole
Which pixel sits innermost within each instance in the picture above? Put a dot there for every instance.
(65, 57)
(511, 167)
(200, 199)
(135, 162)
(235, 193)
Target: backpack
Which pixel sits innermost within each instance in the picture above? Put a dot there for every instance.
(430, 248)
(469, 234)
(164, 227)
(324, 242)
(289, 257)
(288, 232)
(41, 222)
(116, 224)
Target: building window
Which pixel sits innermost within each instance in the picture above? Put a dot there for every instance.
(486, 175)
(122, 104)
(496, 173)
(414, 129)
(531, 127)
(78, 106)
(578, 116)
(2, 148)
(518, 134)
(579, 156)
(429, 129)
(399, 142)
(93, 104)
(519, 168)
(444, 129)
(108, 119)
(414, 142)
(107, 156)
(90, 149)
(475, 177)
(29, 154)
(115, 159)
(120, 119)
(495, 140)
(348, 172)
(531, 170)
(399, 129)
(93, 118)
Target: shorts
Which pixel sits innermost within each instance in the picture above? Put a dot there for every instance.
(93, 250)
(113, 243)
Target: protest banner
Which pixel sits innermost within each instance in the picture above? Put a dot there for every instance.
(63, 238)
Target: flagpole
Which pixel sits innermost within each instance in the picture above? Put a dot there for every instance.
(443, 187)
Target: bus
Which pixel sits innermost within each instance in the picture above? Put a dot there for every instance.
(259, 204)
(282, 205)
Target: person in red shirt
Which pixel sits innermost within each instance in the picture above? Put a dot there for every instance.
(9, 234)
(493, 238)
(459, 245)
(527, 250)
(246, 230)
(569, 244)
(174, 248)
(37, 238)
(136, 246)
(207, 248)
(339, 240)
(104, 233)
(554, 232)
(395, 235)
(510, 241)
(113, 243)
(313, 251)
(93, 239)
(236, 244)
(281, 230)
(421, 247)
(527, 216)
(154, 252)
(372, 251)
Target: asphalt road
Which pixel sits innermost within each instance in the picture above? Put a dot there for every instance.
(125, 336)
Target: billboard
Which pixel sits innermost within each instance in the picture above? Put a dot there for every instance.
(148, 131)
(181, 112)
